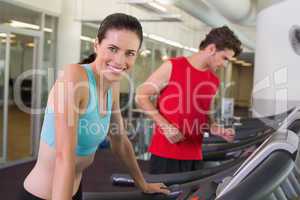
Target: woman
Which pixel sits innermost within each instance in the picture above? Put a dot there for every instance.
(82, 104)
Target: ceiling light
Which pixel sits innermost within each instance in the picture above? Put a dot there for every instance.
(164, 40)
(190, 49)
(11, 41)
(49, 30)
(145, 52)
(157, 6)
(88, 39)
(165, 2)
(150, 5)
(169, 42)
(19, 24)
(162, 18)
(30, 44)
(5, 35)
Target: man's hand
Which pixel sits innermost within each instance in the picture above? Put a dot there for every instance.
(227, 134)
(151, 188)
(172, 133)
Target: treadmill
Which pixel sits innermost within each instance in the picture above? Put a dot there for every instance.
(231, 153)
(270, 171)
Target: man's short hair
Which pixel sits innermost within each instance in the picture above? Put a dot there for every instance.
(223, 38)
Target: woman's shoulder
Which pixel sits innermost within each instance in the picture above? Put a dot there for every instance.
(74, 72)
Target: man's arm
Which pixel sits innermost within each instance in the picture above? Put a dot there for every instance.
(151, 87)
(211, 117)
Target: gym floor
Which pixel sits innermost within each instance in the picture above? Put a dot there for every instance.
(19, 137)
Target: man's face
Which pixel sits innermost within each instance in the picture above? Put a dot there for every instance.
(220, 58)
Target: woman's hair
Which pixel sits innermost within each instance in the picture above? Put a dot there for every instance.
(223, 38)
(117, 21)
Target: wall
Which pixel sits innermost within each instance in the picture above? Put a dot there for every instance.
(244, 86)
(276, 75)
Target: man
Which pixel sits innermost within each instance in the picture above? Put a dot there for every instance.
(186, 87)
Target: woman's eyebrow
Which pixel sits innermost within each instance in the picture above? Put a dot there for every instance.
(112, 45)
(131, 50)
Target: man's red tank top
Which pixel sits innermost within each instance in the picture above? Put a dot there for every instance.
(185, 103)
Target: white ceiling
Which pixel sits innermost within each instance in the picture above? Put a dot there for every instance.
(202, 15)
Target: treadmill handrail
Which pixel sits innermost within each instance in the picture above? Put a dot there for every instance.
(229, 146)
(273, 143)
(262, 181)
(234, 149)
(293, 116)
(126, 180)
(175, 178)
(249, 132)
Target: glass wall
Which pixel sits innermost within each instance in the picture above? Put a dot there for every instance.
(3, 38)
(49, 59)
(22, 59)
(88, 36)
(24, 46)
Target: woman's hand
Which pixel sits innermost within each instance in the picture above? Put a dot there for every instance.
(151, 188)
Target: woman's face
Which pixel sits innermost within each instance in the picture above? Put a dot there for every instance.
(116, 53)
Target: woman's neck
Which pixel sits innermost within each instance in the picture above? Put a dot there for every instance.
(101, 82)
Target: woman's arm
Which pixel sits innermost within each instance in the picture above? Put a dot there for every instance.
(66, 99)
(122, 147)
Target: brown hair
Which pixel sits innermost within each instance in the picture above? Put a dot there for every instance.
(116, 21)
(223, 38)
